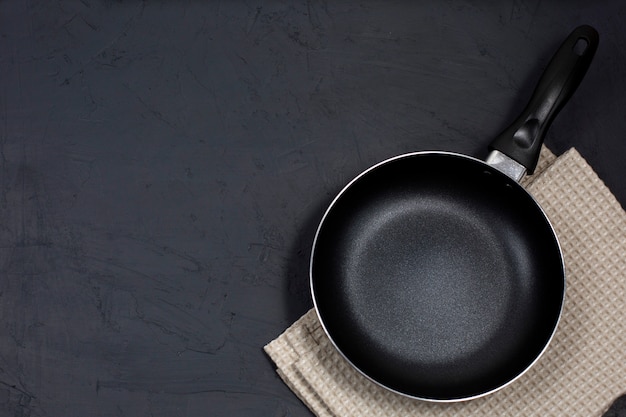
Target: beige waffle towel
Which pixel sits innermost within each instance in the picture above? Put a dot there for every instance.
(584, 368)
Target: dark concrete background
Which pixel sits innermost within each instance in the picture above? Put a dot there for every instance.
(163, 166)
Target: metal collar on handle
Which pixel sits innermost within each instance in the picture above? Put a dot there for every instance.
(506, 165)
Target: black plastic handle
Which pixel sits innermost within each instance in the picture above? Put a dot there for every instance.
(522, 140)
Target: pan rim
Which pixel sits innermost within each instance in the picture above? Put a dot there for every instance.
(486, 166)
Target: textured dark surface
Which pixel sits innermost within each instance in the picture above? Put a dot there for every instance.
(617, 409)
(163, 166)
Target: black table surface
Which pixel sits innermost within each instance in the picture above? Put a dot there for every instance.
(163, 167)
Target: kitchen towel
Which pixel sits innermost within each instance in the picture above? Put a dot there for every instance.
(582, 371)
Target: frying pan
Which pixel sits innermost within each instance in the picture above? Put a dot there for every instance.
(435, 274)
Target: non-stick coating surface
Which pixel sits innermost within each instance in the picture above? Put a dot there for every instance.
(437, 276)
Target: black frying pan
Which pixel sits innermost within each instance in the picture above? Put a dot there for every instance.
(437, 275)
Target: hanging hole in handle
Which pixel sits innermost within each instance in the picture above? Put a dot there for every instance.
(580, 46)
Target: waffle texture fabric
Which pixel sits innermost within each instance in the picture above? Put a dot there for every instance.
(582, 371)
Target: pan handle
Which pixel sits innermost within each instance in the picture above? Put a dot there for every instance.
(522, 140)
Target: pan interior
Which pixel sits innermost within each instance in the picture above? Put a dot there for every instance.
(437, 276)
